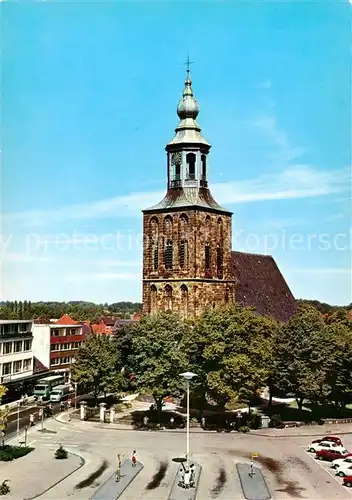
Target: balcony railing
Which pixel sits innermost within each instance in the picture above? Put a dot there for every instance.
(176, 183)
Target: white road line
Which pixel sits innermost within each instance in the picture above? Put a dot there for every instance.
(32, 442)
(329, 471)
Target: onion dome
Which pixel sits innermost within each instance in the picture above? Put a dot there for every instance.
(188, 106)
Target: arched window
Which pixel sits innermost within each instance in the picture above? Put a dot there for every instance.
(204, 166)
(155, 256)
(183, 234)
(184, 301)
(153, 299)
(191, 162)
(220, 228)
(168, 298)
(183, 254)
(207, 227)
(168, 226)
(154, 228)
(168, 255)
(219, 261)
(207, 257)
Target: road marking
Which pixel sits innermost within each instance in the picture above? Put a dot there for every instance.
(329, 471)
(32, 442)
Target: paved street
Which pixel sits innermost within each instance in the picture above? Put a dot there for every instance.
(290, 471)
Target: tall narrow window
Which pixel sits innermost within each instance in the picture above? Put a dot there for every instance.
(168, 298)
(155, 257)
(184, 301)
(204, 166)
(183, 254)
(168, 255)
(191, 161)
(177, 171)
(207, 258)
(219, 261)
(153, 299)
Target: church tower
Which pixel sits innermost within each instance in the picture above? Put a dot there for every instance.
(187, 236)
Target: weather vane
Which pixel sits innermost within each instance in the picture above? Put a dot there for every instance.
(188, 63)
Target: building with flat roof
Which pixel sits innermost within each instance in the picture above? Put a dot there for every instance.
(19, 368)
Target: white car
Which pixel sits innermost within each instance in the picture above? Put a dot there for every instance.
(335, 464)
(323, 445)
(344, 470)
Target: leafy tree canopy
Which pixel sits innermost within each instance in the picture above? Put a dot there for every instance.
(233, 347)
(159, 355)
(95, 366)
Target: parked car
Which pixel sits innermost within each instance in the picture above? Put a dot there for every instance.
(347, 481)
(330, 455)
(344, 470)
(342, 460)
(334, 439)
(323, 445)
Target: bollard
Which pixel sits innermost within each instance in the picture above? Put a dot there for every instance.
(112, 415)
(83, 410)
(102, 412)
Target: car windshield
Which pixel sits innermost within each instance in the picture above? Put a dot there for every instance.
(40, 388)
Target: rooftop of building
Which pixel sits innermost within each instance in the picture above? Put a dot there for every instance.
(13, 321)
(260, 284)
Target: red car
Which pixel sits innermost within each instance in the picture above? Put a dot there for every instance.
(347, 481)
(331, 454)
(334, 439)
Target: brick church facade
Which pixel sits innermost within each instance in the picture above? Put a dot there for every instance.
(188, 265)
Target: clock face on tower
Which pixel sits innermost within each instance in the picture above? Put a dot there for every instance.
(176, 158)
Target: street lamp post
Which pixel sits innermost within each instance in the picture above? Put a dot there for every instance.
(75, 395)
(188, 376)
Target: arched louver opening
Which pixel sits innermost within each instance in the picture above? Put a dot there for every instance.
(168, 298)
(191, 162)
(168, 255)
(153, 299)
(184, 301)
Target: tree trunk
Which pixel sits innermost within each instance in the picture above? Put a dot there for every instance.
(159, 406)
(270, 402)
(299, 402)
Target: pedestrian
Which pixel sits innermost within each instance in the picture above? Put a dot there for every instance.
(186, 478)
(172, 420)
(145, 421)
(118, 468)
(51, 409)
(134, 458)
(181, 481)
(62, 406)
(202, 421)
(31, 419)
(192, 476)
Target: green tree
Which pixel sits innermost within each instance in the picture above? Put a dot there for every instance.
(95, 366)
(4, 413)
(232, 348)
(159, 355)
(302, 352)
(339, 381)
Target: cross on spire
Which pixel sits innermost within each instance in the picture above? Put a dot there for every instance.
(188, 63)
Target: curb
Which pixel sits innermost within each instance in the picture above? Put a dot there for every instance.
(58, 417)
(62, 479)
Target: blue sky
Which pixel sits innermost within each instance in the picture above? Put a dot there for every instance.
(90, 91)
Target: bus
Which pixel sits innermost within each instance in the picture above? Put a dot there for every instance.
(60, 392)
(45, 385)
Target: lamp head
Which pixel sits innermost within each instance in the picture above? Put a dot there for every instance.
(188, 375)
